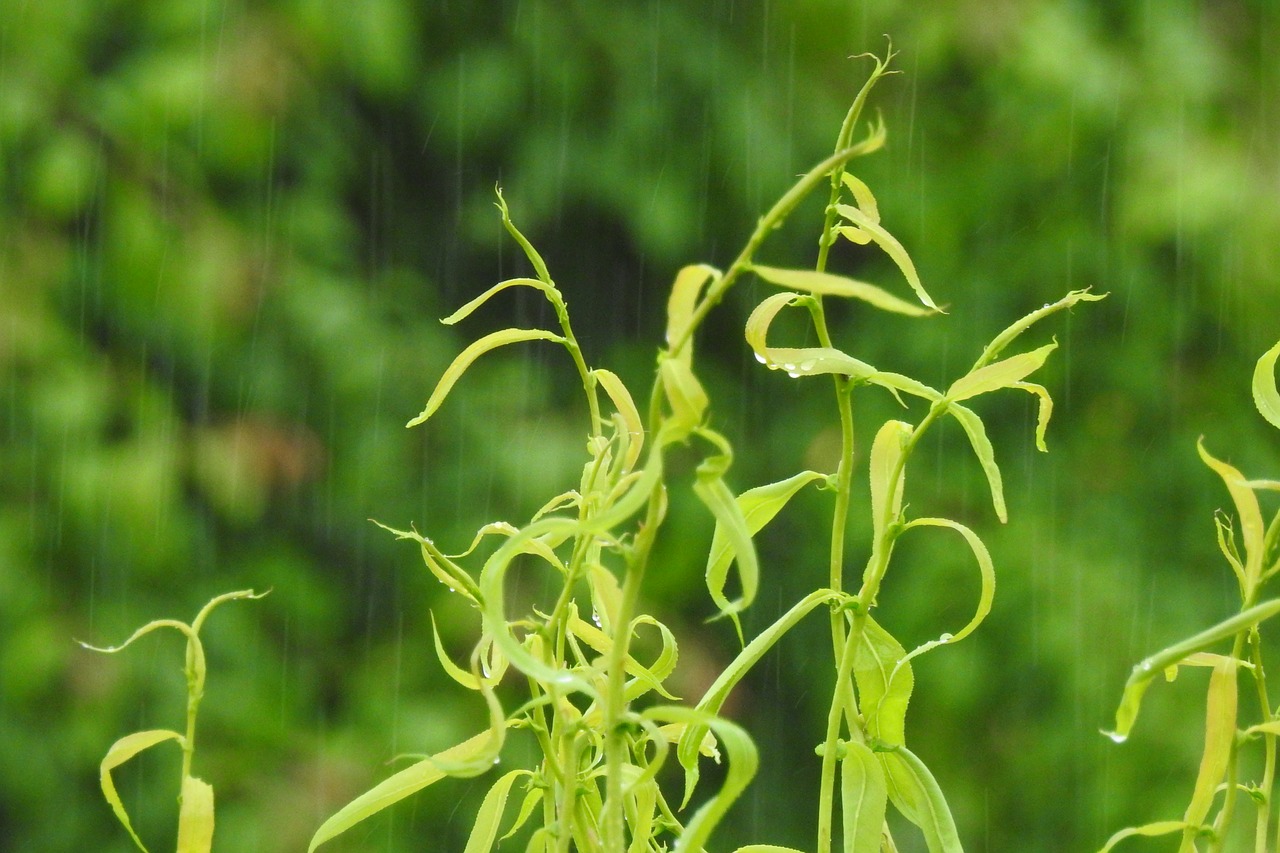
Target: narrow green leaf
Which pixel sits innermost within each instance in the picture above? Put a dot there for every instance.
(1011, 333)
(743, 760)
(692, 739)
(827, 284)
(864, 224)
(1219, 741)
(395, 788)
(457, 673)
(885, 680)
(766, 848)
(685, 394)
(485, 829)
(531, 801)
(466, 310)
(120, 752)
(986, 571)
(1252, 529)
(1043, 412)
(917, 795)
(733, 527)
(757, 507)
(1001, 374)
(625, 406)
(862, 194)
(195, 819)
(887, 473)
(986, 454)
(1265, 395)
(464, 359)
(863, 798)
(606, 595)
(1149, 830)
(1145, 670)
(682, 303)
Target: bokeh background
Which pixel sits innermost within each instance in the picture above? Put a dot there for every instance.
(227, 230)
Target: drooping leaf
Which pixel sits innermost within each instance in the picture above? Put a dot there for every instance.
(1143, 672)
(1252, 530)
(396, 787)
(1149, 830)
(625, 406)
(466, 310)
(888, 476)
(464, 359)
(863, 225)
(828, 284)
(686, 396)
(863, 798)
(1265, 394)
(986, 454)
(484, 831)
(757, 507)
(1043, 412)
(1000, 374)
(1219, 741)
(120, 752)
(692, 739)
(195, 818)
(682, 303)
(862, 195)
(987, 573)
(916, 793)
(743, 760)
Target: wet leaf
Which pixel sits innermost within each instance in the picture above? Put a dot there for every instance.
(1149, 830)
(1145, 670)
(986, 570)
(464, 359)
(625, 406)
(1013, 330)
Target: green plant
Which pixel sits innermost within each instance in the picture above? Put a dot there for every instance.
(602, 719)
(1254, 557)
(195, 796)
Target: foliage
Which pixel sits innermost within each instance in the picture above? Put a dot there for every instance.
(1254, 557)
(226, 231)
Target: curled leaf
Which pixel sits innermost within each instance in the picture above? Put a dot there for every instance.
(464, 359)
(865, 228)
(1010, 333)
(1265, 395)
(1000, 374)
(120, 752)
(682, 303)
(987, 573)
(1252, 530)
(466, 310)
(986, 454)
(626, 409)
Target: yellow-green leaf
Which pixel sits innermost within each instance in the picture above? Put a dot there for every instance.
(862, 194)
(863, 798)
(885, 680)
(120, 752)
(466, 310)
(1265, 395)
(828, 284)
(685, 394)
(1001, 374)
(1043, 412)
(888, 477)
(986, 454)
(485, 829)
(864, 224)
(917, 795)
(1149, 830)
(464, 359)
(987, 573)
(396, 787)
(1252, 529)
(1219, 740)
(1011, 332)
(682, 303)
(195, 820)
(757, 508)
(625, 406)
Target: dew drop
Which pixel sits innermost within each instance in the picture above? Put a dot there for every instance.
(794, 374)
(595, 617)
(788, 367)
(1116, 736)
(946, 638)
(761, 359)
(808, 365)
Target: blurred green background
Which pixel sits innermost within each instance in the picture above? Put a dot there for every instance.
(227, 230)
